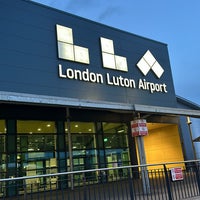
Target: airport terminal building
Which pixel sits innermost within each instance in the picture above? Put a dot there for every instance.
(70, 87)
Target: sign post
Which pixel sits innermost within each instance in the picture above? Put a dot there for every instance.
(139, 129)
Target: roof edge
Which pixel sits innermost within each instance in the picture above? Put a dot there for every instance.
(187, 102)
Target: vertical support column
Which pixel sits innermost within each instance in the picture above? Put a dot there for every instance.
(101, 152)
(142, 157)
(139, 129)
(196, 168)
(167, 183)
(131, 187)
(11, 165)
(189, 123)
(100, 145)
(133, 153)
(61, 152)
(132, 147)
(70, 148)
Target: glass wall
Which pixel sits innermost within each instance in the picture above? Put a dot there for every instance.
(2, 136)
(116, 147)
(83, 146)
(87, 144)
(2, 152)
(36, 150)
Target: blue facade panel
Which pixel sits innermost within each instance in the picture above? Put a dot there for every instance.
(30, 64)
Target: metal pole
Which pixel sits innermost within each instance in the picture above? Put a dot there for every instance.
(142, 157)
(167, 182)
(131, 184)
(189, 122)
(196, 167)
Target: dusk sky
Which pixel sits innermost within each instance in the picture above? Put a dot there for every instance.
(175, 23)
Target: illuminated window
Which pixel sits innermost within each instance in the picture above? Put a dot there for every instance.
(82, 134)
(2, 127)
(2, 135)
(36, 136)
(32, 126)
(116, 145)
(115, 135)
(36, 149)
(83, 140)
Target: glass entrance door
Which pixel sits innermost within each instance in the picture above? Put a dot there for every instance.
(83, 146)
(116, 148)
(36, 152)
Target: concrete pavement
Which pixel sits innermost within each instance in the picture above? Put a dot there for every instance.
(193, 198)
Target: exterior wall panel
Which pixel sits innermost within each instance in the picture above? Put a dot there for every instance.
(29, 59)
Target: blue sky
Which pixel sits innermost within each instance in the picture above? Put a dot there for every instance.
(174, 22)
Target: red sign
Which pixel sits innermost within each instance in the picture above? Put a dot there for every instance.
(177, 174)
(139, 127)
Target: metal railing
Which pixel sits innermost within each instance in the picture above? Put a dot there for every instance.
(177, 180)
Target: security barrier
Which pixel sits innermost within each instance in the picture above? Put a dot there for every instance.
(177, 180)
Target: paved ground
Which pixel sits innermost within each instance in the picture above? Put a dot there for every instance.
(193, 198)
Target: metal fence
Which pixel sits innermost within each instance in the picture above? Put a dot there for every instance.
(178, 180)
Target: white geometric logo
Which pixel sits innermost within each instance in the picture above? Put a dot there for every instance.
(148, 62)
(66, 48)
(110, 60)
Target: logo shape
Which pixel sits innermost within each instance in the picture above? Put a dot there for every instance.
(148, 62)
(66, 48)
(110, 60)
